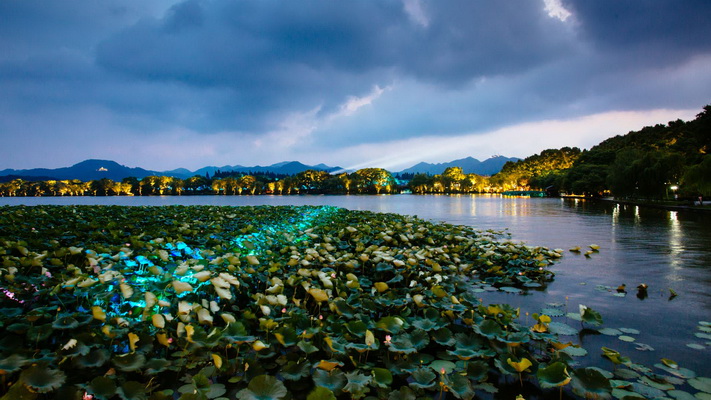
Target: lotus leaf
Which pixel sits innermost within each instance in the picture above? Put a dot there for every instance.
(42, 379)
(423, 378)
(321, 393)
(334, 380)
(560, 328)
(630, 331)
(382, 377)
(647, 391)
(294, 371)
(94, 358)
(12, 363)
(626, 338)
(263, 387)
(575, 351)
(695, 346)
(701, 383)
(489, 328)
(405, 393)
(443, 336)
(590, 383)
(132, 390)
(390, 324)
(553, 375)
(102, 388)
(129, 362)
(678, 371)
(460, 386)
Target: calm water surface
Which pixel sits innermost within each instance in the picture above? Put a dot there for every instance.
(663, 249)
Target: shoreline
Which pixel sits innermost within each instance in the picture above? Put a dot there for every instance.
(704, 208)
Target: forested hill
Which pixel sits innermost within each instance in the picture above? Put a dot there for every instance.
(654, 162)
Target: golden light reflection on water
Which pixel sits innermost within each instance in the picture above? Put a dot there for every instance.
(676, 245)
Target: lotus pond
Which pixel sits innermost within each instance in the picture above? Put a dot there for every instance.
(260, 302)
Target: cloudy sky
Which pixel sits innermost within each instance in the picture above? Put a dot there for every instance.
(164, 84)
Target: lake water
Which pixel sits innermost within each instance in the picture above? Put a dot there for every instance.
(663, 249)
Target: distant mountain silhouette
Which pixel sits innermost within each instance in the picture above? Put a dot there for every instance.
(98, 169)
(469, 165)
(85, 171)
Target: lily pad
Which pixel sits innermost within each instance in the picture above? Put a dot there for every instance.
(590, 383)
(561, 328)
(630, 331)
(263, 387)
(695, 346)
(553, 375)
(610, 331)
(701, 383)
(626, 338)
(42, 379)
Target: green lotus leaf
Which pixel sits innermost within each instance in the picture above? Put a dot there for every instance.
(489, 328)
(575, 351)
(132, 390)
(626, 374)
(660, 384)
(357, 383)
(286, 336)
(681, 395)
(614, 356)
(423, 378)
(425, 324)
(477, 370)
(357, 328)
(321, 393)
(553, 375)
(646, 391)
(11, 312)
(516, 337)
(19, 327)
(701, 383)
(65, 322)
(443, 336)
(610, 331)
(38, 333)
(464, 354)
(510, 289)
(94, 358)
(695, 346)
(129, 362)
(19, 391)
(553, 312)
(42, 379)
(235, 332)
(78, 349)
(382, 377)
(294, 371)
(263, 387)
(625, 394)
(419, 339)
(12, 363)
(679, 372)
(630, 331)
(156, 365)
(334, 380)
(590, 383)
(702, 335)
(405, 393)
(626, 338)
(486, 386)
(443, 365)
(464, 341)
(390, 324)
(402, 344)
(344, 308)
(562, 329)
(460, 386)
(307, 347)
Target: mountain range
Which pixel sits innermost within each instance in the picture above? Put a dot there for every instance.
(89, 170)
(469, 165)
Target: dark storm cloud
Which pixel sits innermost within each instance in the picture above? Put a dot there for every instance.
(277, 56)
(660, 32)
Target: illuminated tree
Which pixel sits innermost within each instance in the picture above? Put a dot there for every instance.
(369, 180)
(311, 179)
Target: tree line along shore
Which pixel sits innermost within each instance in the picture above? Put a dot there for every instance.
(669, 161)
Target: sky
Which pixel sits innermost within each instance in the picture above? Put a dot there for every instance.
(163, 84)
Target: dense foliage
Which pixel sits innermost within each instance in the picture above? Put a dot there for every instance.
(278, 303)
